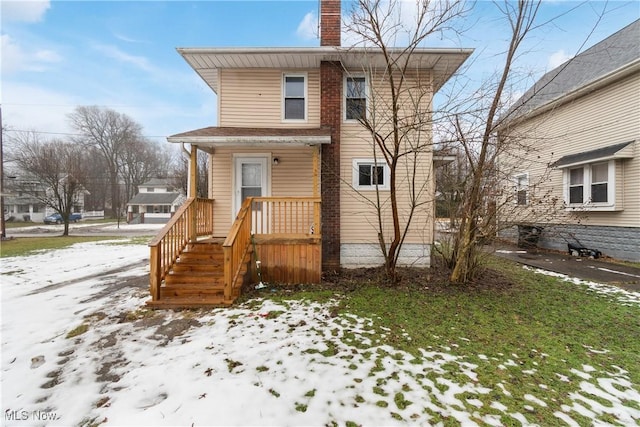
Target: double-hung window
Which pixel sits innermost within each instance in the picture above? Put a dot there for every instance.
(521, 187)
(369, 175)
(294, 91)
(355, 104)
(590, 185)
(589, 177)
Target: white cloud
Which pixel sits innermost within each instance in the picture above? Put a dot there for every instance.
(15, 58)
(115, 53)
(308, 27)
(557, 58)
(24, 10)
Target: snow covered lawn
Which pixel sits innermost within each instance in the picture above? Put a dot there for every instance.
(80, 348)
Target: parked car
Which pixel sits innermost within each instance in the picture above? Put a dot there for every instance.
(56, 218)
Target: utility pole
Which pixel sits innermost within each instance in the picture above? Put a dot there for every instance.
(3, 229)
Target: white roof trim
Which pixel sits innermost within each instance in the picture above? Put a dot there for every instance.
(208, 61)
(221, 141)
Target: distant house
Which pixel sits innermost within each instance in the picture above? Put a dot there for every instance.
(25, 196)
(155, 202)
(584, 119)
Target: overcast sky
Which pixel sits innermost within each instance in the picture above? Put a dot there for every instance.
(57, 55)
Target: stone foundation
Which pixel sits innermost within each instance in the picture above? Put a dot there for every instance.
(616, 242)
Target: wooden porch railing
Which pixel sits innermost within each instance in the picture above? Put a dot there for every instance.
(286, 215)
(266, 216)
(166, 247)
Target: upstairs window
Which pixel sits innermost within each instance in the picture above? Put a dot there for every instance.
(294, 93)
(355, 98)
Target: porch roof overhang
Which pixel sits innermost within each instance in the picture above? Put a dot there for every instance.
(207, 62)
(617, 151)
(231, 136)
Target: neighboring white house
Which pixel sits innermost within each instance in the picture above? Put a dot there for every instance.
(584, 120)
(155, 202)
(24, 197)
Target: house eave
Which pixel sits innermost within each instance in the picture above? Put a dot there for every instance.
(208, 61)
(251, 141)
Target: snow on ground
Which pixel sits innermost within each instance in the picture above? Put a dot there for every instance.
(263, 363)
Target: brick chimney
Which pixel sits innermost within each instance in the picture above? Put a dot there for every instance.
(330, 22)
(330, 117)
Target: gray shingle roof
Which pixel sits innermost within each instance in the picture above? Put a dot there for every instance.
(592, 155)
(603, 58)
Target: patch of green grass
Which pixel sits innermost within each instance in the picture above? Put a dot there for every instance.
(23, 246)
(274, 393)
(310, 393)
(301, 407)
(520, 334)
(78, 331)
(401, 402)
(262, 369)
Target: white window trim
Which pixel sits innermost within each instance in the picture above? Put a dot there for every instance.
(306, 96)
(587, 204)
(516, 187)
(356, 174)
(344, 96)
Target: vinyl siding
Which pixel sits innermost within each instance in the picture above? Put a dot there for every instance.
(253, 98)
(359, 221)
(292, 176)
(609, 116)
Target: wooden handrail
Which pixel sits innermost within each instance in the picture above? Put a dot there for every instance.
(193, 219)
(236, 247)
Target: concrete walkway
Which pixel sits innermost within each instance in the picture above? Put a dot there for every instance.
(599, 271)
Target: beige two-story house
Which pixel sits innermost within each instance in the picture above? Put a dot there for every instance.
(290, 137)
(581, 124)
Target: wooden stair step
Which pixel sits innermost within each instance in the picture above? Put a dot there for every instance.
(209, 302)
(186, 267)
(192, 278)
(190, 292)
(205, 247)
(201, 256)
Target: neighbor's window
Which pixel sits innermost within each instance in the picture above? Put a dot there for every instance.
(355, 98)
(522, 185)
(294, 91)
(576, 185)
(369, 175)
(591, 184)
(599, 182)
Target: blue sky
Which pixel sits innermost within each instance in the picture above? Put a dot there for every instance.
(121, 54)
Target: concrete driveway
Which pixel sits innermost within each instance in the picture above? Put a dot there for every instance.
(600, 271)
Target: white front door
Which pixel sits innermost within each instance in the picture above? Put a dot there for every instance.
(251, 180)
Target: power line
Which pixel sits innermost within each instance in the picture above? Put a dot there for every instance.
(68, 134)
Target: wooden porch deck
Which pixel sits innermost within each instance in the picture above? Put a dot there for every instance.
(189, 269)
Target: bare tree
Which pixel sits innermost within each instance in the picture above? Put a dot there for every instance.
(60, 166)
(398, 115)
(111, 132)
(493, 187)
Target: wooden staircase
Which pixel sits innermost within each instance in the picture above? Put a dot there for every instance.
(196, 279)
